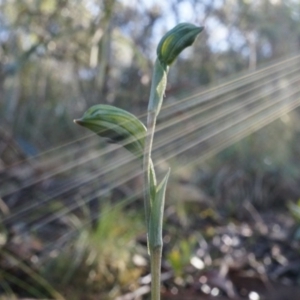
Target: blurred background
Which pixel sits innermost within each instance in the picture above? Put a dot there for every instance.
(71, 206)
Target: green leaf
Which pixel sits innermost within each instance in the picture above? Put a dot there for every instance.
(117, 125)
(175, 41)
(295, 210)
(157, 213)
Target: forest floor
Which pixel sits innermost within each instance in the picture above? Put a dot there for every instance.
(208, 252)
(255, 260)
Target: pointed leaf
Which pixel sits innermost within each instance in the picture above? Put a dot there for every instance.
(157, 213)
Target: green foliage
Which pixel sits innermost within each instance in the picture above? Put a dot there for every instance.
(102, 258)
(30, 281)
(179, 257)
(295, 210)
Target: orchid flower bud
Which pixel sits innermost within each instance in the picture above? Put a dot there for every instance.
(175, 41)
(117, 125)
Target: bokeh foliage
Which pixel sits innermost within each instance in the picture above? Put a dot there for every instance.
(59, 57)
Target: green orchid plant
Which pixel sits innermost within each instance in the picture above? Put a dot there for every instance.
(120, 126)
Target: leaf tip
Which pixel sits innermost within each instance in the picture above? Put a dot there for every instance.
(77, 121)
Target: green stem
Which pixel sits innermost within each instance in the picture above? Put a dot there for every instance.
(147, 165)
(156, 253)
(158, 86)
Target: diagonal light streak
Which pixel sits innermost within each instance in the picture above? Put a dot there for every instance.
(215, 149)
(85, 159)
(205, 95)
(211, 119)
(83, 182)
(254, 126)
(241, 81)
(249, 116)
(238, 120)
